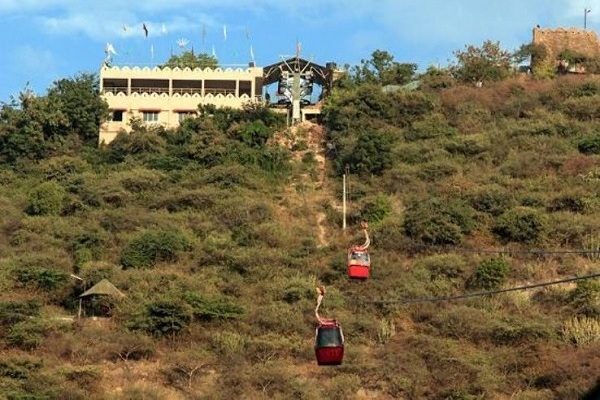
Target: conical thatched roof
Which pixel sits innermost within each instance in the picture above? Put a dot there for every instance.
(103, 288)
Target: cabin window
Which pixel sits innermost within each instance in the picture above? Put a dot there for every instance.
(329, 337)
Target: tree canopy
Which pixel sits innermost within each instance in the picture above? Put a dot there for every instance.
(190, 60)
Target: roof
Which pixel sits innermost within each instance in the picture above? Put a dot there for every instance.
(272, 73)
(103, 288)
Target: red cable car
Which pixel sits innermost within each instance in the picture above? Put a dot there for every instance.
(359, 262)
(329, 339)
(329, 343)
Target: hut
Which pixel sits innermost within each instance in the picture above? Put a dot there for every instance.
(100, 298)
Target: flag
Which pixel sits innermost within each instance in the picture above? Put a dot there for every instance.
(109, 50)
(224, 32)
(251, 53)
(298, 48)
(214, 53)
(163, 29)
(152, 51)
(145, 28)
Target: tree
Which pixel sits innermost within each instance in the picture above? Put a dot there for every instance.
(189, 60)
(486, 63)
(78, 101)
(382, 69)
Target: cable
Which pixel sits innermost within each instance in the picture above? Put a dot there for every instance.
(477, 294)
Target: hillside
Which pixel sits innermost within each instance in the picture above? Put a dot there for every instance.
(218, 233)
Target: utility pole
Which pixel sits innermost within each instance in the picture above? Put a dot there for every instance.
(586, 11)
(344, 202)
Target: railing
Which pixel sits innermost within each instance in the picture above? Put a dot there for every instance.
(115, 89)
(186, 91)
(160, 90)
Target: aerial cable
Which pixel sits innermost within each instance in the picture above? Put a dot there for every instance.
(479, 294)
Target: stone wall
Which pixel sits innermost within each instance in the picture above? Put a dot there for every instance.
(577, 40)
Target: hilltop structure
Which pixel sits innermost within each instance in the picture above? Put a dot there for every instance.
(557, 41)
(165, 96)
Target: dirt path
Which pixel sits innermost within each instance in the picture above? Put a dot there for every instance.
(308, 137)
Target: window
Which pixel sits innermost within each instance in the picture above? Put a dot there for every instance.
(117, 115)
(181, 115)
(150, 116)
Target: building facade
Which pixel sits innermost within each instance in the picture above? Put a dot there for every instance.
(167, 95)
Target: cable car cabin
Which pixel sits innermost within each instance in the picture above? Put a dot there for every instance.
(359, 263)
(329, 344)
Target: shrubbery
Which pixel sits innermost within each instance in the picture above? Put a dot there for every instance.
(154, 246)
(46, 199)
(437, 221)
(490, 274)
(521, 224)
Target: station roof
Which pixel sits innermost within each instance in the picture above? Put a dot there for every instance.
(272, 73)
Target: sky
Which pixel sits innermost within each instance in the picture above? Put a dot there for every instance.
(43, 41)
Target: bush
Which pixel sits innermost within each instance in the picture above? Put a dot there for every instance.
(573, 202)
(490, 274)
(12, 311)
(163, 318)
(152, 247)
(520, 224)
(585, 298)
(492, 200)
(589, 145)
(46, 279)
(376, 208)
(206, 309)
(26, 335)
(46, 199)
(438, 221)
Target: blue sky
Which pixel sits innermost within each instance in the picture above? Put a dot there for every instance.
(42, 41)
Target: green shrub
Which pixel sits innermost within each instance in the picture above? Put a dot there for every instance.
(45, 199)
(61, 167)
(589, 145)
(432, 126)
(26, 335)
(492, 200)
(520, 224)
(585, 298)
(438, 221)
(450, 266)
(572, 202)
(375, 209)
(46, 279)
(490, 274)
(163, 318)
(436, 170)
(13, 311)
(154, 246)
(207, 309)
